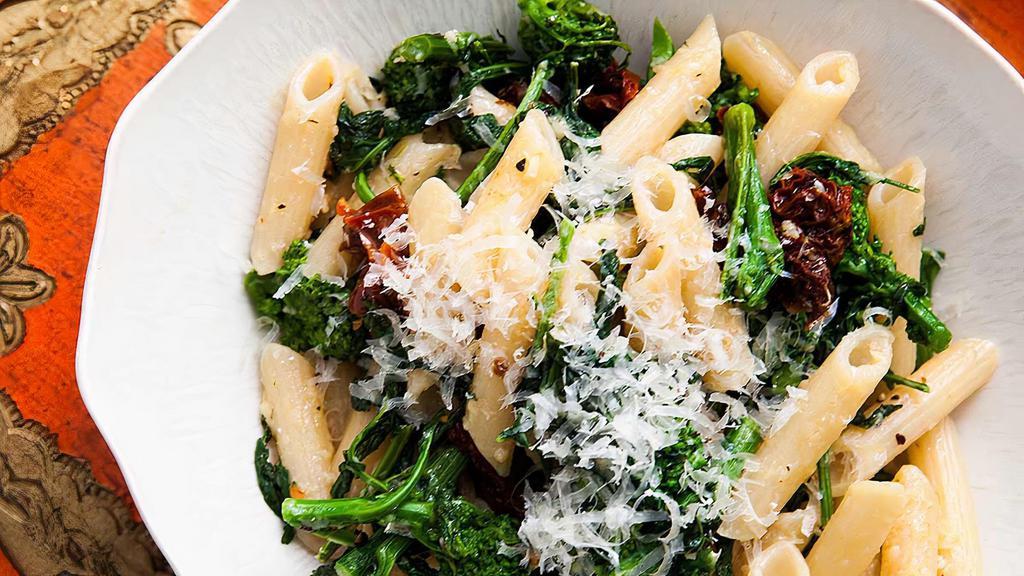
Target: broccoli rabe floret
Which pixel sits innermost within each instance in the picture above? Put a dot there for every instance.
(313, 314)
(564, 31)
(753, 255)
(418, 74)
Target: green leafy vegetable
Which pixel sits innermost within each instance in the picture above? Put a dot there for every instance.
(364, 138)
(613, 276)
(753, 255)
(312, 315)
(273, 480)
(418, 74)
(662, 47)
(424, 505)
(892, 380)
(362, 186)
(540, 75)
(549, 299)
(876, 416)
(867, 276)
(476, 132)
(825, 487)
(699, 168)
(564, 31)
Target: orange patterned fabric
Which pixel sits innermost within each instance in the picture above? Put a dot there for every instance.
(55, 189)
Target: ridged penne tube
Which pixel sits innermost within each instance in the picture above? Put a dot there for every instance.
(577, 299)
(494, 377)
(678, 92)
(327, 256)
(502, 271)
(952, 376)
(654, 300)
(782, 559)
(875, 567)
(830, 399)
(693, 146)
(618, 231)
(410, 163)
(821, 92)
(523, 178)
(895, 216)
(668, 216)
(435, 212)
(666, 209)
(295, 178)
(292, 406)
(852, 538)
(912, 547)
(763, 65)
(937, 454)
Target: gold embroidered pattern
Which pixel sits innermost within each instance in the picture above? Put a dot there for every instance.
(21, 286)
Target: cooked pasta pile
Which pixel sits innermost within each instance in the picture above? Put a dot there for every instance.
(533, 313)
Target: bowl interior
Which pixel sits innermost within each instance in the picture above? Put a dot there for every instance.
(167, 357)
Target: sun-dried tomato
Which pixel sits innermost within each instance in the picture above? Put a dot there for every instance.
(612, 90)
(367, 224)
(514, 89)
(813, 221)
(717, 214)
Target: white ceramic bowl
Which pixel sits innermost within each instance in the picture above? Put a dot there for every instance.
(167, 352)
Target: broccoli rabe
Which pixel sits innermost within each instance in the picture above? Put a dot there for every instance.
(564, 31)
(377, 557)
(662, 47)
(313, 314)
(418, 74)
(867, 276)
(753, 255)
(273, 480)
(424, 505)
(364, 138)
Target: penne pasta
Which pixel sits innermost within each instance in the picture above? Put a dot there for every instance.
(435, 212)
(482, 102)
(952, 376)
(896, 216)
(295, 183)
(679, 91)
(668, 216)
(912, 547)
(782, 559)
(292, 407)
(765, 66)
(410, 163)
(937, 454)
(851, 540)
(523, 178)
(809, 109)
(831, 398)
(693, 146)
(328, 256)
(495, 376)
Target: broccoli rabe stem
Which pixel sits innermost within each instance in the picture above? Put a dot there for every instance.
(318, 514)
(375, 558)
(533, 93)
(549, 299)
(753, 255)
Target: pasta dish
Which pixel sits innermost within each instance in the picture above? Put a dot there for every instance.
(546, 309)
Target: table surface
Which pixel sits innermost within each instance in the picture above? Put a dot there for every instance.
(71, 70)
